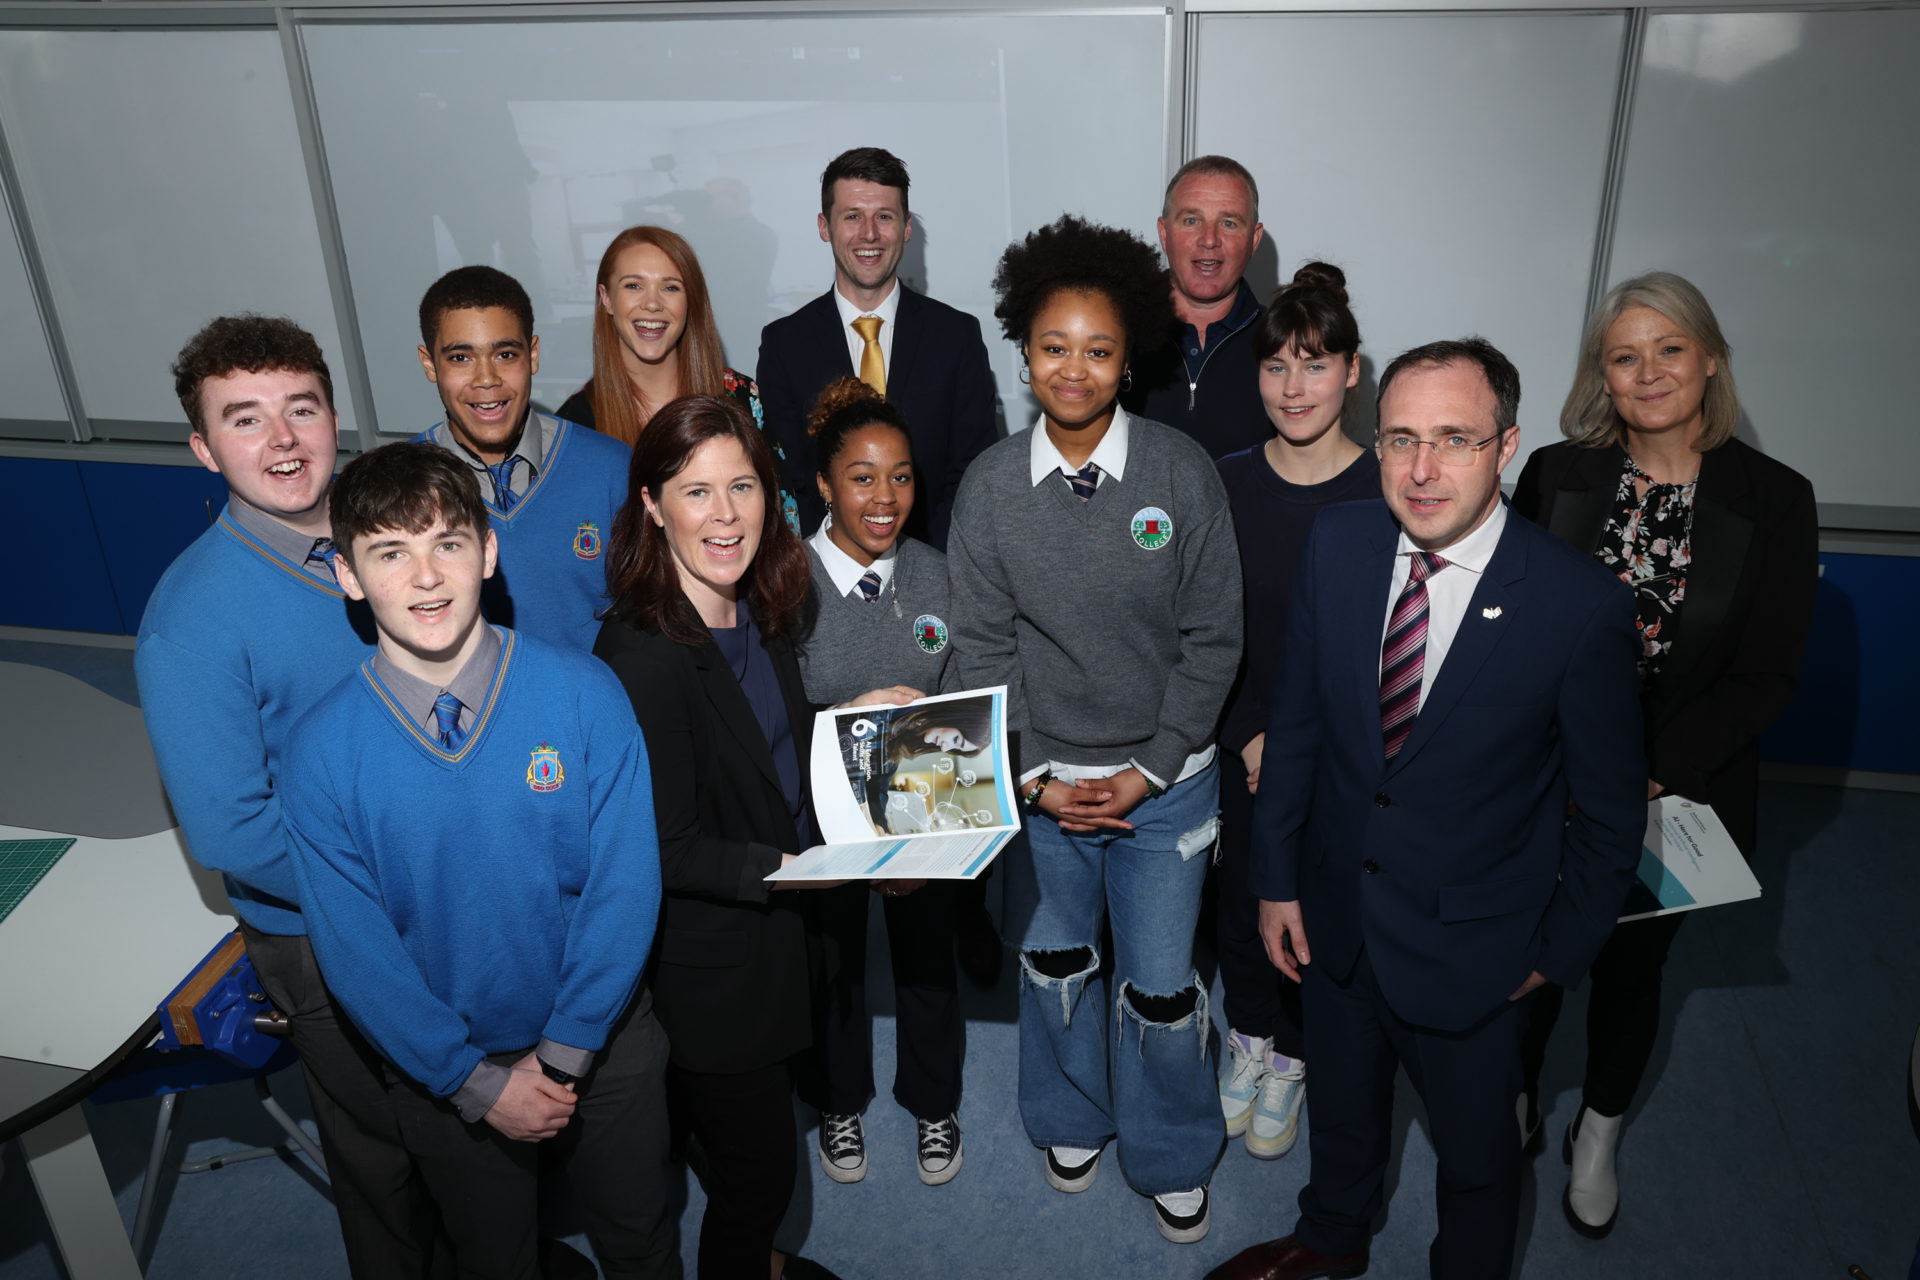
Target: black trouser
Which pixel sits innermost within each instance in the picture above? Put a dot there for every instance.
(929, 1032)
(744, 1125)
(387, 1218)
(614, 1150)
(1468, 1079)
(1260, 1001)
(1623, 1014)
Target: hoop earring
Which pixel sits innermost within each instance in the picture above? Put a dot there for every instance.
(829, 515)
(1025, 381)
(1126, 379)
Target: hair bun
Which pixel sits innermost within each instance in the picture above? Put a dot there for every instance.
(841, 393)
(1321, 275)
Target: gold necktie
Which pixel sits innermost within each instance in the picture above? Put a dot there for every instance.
(873, 370)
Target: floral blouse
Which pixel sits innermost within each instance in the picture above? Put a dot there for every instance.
(1647, 541)
(746, 391)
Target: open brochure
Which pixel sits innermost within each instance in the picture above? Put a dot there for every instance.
(921, 791)
(1687, 860)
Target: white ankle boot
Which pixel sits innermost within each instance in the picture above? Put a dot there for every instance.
(1593, 1190)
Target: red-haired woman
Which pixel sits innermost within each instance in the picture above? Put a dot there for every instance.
(655, 340)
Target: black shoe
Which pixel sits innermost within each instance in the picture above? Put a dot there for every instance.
(843, 1147)
(978, 947)
(939, 1150)
(1071, 1177)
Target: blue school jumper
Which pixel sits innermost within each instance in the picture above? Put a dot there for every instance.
(551, 579)
(478, 900)
(237, 643)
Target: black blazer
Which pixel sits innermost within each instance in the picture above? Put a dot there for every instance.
(938, 377)
(1750, 591)
(732, 970)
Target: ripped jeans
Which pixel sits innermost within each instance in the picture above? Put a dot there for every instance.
(1093, 1065)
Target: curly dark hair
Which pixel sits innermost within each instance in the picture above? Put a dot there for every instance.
(473, 288)
(1074, 255)
(245, 342)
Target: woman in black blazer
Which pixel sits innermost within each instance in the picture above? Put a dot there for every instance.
(1721, 546)
(709, 587)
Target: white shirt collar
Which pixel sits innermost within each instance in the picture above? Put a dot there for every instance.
(889, 307)
(1473, 551)
(1110, 455)
(844, 571)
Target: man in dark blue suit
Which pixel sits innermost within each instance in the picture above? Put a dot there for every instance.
(1451, 808)
(924, 356)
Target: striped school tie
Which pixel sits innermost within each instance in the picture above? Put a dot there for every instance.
(1085, 481)
(1403, 654)
(503, 495)
(869, 585)
(446, 715)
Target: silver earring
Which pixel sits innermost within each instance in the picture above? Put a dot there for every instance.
(1025, 381)
(1126, 379)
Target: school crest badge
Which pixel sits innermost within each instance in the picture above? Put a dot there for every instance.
(586, 541)
(929, 633)
(1152, 528)
(544, 772)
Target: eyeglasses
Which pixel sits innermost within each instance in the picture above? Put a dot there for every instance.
(1453, 451)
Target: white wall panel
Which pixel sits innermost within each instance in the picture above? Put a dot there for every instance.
(529, 146)
(163, 174)
(1774, 160)
(26, 363)
(1450, 164)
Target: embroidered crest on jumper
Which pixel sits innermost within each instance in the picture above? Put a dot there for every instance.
(544, 772)
(929, 633)
(586, 541)
(1152, 528)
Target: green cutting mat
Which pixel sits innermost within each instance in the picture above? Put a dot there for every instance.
(23, 863)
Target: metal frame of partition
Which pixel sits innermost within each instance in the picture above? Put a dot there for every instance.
(1182, 17)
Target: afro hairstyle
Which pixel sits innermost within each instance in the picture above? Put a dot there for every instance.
(1074, 255)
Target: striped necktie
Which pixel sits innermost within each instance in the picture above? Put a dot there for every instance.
(1085, 481)
(446, 716)
(869, 585)
(503, 495)
(323, 553)
(1403, 654)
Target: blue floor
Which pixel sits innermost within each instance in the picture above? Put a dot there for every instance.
(1772, 1139)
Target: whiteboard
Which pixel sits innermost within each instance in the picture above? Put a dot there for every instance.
(718, 127)
(1774, 160)
(34, 405)
(1451, 164)
(163, 175)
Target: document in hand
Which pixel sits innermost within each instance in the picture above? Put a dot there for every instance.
(923, 791)
(1687, 860)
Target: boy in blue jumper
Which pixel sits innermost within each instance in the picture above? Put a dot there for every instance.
(551, 487)
(471, 815)
(242, 635)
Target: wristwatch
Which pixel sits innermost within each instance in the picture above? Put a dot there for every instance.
(555, 1074)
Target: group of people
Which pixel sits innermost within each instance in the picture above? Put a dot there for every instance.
(498, 735)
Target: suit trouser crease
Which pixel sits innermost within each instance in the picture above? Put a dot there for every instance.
(1092, 1068)
(1256, 998)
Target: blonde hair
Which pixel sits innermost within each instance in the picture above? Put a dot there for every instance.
(703, 366)
(1588, 417)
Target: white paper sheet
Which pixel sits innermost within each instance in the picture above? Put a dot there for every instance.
(1687, 861)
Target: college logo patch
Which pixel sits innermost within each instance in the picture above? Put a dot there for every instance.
(929, 633)
(586, 541)
(1152, 528)
(543, 771)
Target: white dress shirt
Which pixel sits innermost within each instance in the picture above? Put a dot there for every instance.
(1449, 589)
(856, 345)
(1110, 455)
(844, 571)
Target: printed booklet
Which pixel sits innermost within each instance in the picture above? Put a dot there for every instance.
(921, 791)
(1687, 861)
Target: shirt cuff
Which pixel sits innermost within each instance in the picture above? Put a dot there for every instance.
(1146, 773)
(575, 1062)
(485, 1084)
(1032, 773)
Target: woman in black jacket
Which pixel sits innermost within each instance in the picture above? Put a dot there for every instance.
(1720, 544)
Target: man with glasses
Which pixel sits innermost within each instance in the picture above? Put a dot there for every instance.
(1451, 811)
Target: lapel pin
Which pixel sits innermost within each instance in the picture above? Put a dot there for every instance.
(1491, 612)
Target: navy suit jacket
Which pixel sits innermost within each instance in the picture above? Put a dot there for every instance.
(1456, 865)
(937, 376)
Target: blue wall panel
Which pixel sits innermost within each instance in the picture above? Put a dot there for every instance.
(56, 576)
(146, 516)
(1859, 698)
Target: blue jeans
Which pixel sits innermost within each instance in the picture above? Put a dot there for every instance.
(1092, 1066)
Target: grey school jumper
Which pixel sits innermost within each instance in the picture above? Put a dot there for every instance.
(856, 646)
(1114, 645)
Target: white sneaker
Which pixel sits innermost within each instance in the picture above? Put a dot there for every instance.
(1593, 1190)
(1276, 1108)
(1240, 1077)
(1071, 1169)
(843, 1148)
(1183, 1216)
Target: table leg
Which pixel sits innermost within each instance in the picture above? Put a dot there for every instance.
(79, 1202)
